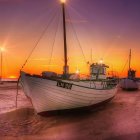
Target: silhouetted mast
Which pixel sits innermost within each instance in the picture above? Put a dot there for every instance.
(130, 60)
(66, 68)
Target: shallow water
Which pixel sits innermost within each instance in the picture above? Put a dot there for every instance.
(8, 93)
(119, 119)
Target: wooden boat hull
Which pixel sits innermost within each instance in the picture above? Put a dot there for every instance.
(76, 110)
(52, 95)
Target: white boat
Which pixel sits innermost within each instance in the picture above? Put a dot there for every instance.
(62, 93)
(129, 83)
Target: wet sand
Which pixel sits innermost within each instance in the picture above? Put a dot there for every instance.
(117, 120)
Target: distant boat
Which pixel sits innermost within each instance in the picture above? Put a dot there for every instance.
(50, 92)
(129, 83)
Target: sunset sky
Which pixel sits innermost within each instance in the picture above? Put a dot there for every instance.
(107, 27)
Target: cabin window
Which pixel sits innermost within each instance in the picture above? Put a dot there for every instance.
(97, 70)
(102, 71)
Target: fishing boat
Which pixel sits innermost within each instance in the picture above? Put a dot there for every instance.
(129, 83)
(50, 92)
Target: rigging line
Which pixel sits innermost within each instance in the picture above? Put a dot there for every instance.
(77, 38)
(17, 92)
(54, 40)
(5, 63)
(36, 44)
(124, 66)
(82, 17)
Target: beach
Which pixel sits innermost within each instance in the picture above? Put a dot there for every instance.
(116, 120)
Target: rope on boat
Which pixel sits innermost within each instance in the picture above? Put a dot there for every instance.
(124, 66)
(37, 42)
(77, 38)
(54, 41)
(17, 91)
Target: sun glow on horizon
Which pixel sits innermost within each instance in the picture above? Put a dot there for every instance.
(12, 77)
(2, 49)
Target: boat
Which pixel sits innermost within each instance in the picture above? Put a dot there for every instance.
(129, 83)
(51, 92)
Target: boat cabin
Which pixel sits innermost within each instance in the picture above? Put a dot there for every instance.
(131, 73)
(98, 71)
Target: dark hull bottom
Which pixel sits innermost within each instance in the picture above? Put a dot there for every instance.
(75, 110)
(129, 89)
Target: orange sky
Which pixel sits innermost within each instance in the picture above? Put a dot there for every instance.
(115, 58)
(105, 30)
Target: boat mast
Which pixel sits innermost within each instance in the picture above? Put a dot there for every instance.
(65, 68)
(130, 60)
